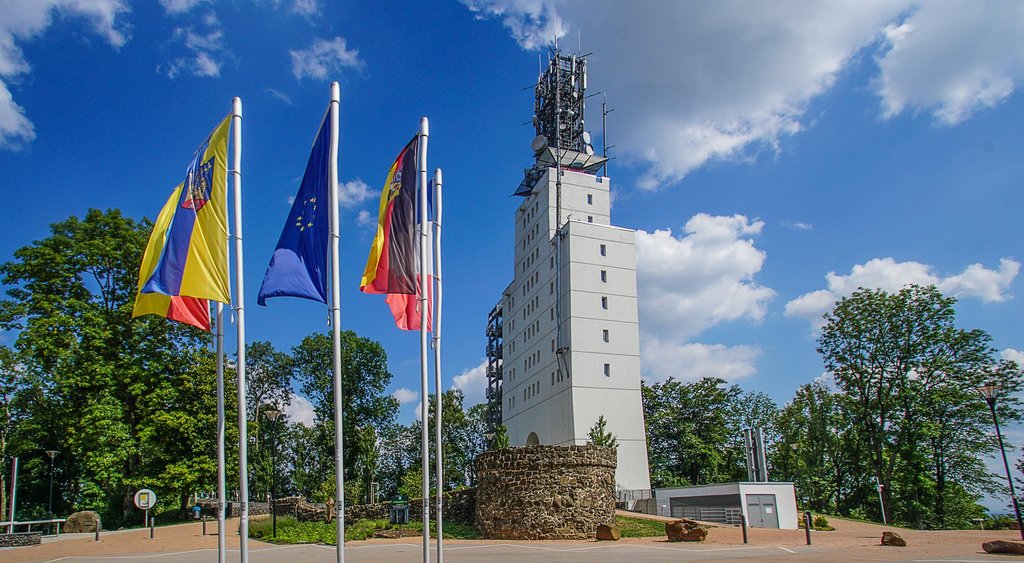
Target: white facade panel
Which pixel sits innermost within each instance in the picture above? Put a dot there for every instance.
(599, 325)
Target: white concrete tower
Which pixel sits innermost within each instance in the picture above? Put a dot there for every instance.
(557, 364)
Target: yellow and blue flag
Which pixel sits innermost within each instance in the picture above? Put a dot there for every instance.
(193, 258)
(188, 310)
(298, 267)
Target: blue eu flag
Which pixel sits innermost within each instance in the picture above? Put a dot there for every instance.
(298, 267)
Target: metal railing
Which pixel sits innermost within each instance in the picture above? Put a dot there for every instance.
(11, 525)
(720, 515)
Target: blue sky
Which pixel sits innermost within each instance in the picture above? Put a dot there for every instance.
(774, 156)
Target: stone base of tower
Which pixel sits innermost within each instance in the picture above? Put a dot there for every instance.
(545, 492)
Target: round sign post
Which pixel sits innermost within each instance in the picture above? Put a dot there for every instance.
(144, 500)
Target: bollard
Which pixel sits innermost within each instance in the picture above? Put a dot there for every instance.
(204, 524)
(97, 533)
(152, 522)
(807, 526)
(743, 524)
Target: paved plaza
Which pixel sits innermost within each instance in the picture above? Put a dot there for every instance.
(852, 541)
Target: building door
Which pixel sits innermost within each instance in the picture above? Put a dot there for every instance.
(761, 510)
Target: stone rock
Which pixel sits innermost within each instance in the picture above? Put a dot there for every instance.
(85, 521)
(1003, 546)
(893, 539)
(685, 529)
(606, 532)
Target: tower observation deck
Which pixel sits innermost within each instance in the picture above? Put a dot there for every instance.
(563, 340)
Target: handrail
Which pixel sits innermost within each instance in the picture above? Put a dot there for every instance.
(10, 524)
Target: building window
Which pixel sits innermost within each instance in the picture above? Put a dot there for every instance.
(590, 218)
(552, 345)
(590, 199)
(604, 302)
(552, 266)
(604, 335)
(552, 382)
(552, 318)
(607, 370)
(552, 291)
(604, 275)
(604, 250)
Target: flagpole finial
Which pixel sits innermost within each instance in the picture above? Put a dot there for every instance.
(424, 126)
(437, 176)
(335, 91)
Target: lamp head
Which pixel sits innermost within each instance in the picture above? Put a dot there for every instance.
(989, 391)
(272, 414)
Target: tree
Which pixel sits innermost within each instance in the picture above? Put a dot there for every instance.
(688, 431)
(364, 377)
(906, 375)
(88, 370)
(600, 436)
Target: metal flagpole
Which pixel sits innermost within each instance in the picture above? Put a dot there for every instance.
(423, 247)
(243, 465)
(436, 320)
(221, 479)
(339, 460)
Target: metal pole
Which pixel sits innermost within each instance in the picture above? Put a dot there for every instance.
(807, 526)
(437, 361)
(1013, 494)
(424, 384)
(273, 477)
(14, 495)
(222, 497)
(743, 524)
(881, 503)
(52, 454)
(339, 459)
(243, 440)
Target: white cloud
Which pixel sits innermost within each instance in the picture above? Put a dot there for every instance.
(280, 95)
(300, 410)
(723, 80)
(798, 226)
(354, 192)
(689, 283)
(1013, 355)
(179, 6)
(324, 57)
(889, 275)
(692, 361)
(204, 50)
(366, 219)
(404, 395)
(473, 384)
(23, 21)
(699, 280)
(307, 8)
(952, 58)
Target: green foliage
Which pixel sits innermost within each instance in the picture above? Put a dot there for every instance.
(909, 414)
(820, 523)
(639, 527)
(290, 531)
(600, 436)
(690, 428)
(126, 403)
(501, 438)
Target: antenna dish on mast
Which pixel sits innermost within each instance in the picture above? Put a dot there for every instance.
(586, 138)
(539, 143)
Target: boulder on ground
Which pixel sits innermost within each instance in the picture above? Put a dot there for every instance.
(685, 529)
(1003, 546)
(606, 532)
(85, 521)
(893, 539)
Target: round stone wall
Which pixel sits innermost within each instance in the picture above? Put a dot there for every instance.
(545, 492)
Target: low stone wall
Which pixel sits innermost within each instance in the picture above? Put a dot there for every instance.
(21, 539)
(459, 506)
(545, 492)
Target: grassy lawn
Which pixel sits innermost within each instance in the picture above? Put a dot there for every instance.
(639, 527)
(290, 530)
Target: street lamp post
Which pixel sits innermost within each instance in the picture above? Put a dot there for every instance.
(52, 454)
(272, 415)
(990, 392)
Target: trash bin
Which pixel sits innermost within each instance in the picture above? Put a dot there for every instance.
(196, 511)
